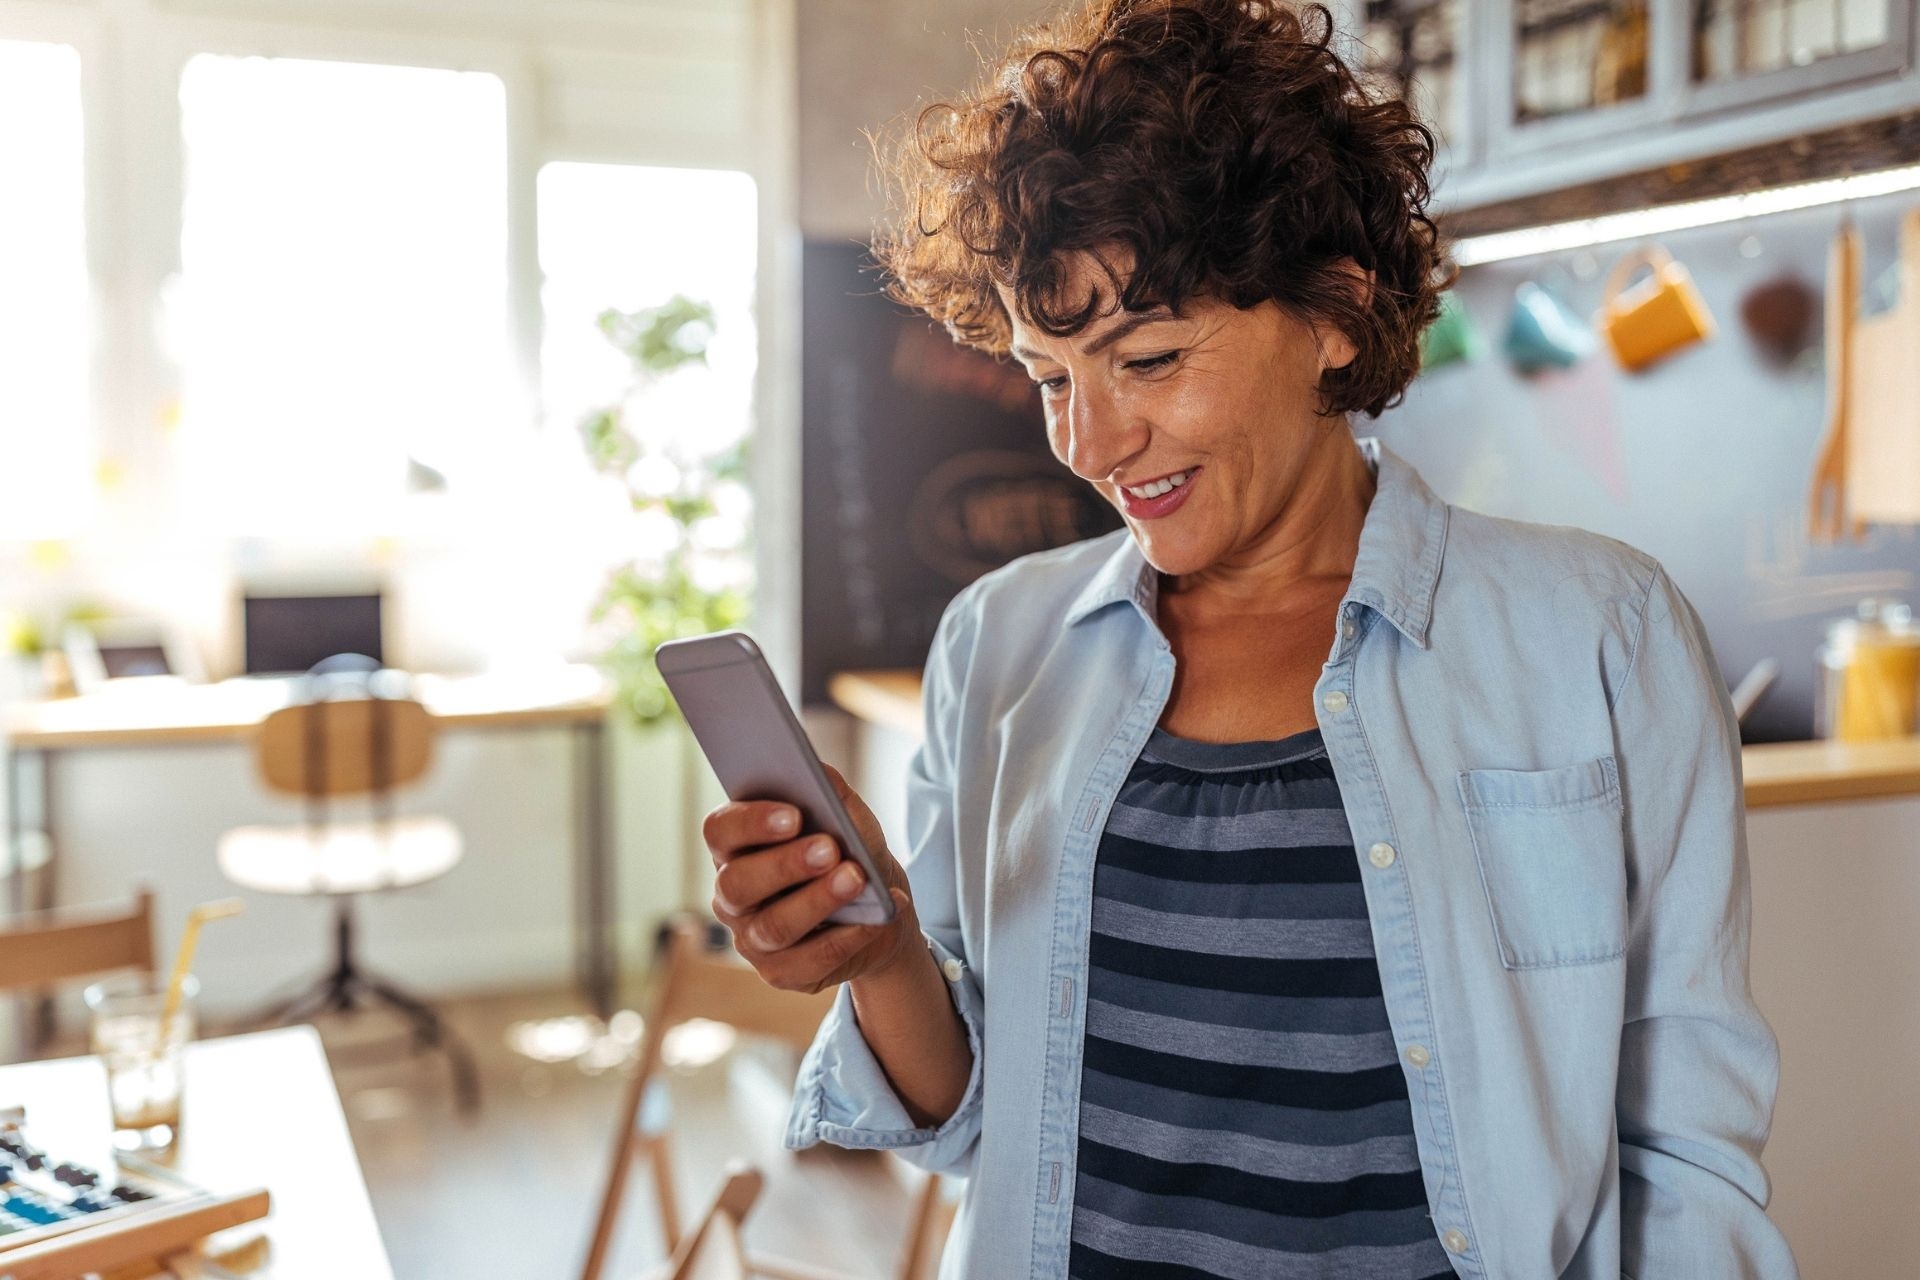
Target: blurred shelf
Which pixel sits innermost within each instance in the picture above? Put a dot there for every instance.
(1777, 773)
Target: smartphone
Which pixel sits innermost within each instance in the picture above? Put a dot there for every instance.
(753, 740)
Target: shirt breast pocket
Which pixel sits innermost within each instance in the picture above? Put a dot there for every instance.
(1552, 860)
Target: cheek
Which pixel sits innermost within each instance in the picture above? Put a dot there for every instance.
(1056, 434)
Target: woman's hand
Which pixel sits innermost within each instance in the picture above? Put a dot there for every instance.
(775, 892)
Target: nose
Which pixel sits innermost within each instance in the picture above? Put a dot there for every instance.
(1098, 434)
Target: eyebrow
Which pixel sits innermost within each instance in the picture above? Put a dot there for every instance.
(1134, 320)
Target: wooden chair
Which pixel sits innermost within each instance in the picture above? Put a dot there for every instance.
(51, 948)
(350, 737)
(724, 1215)
(692, 980)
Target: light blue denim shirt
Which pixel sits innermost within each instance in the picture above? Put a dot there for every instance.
(1541, 770)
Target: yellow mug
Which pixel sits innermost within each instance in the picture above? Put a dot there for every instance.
(1655, 318)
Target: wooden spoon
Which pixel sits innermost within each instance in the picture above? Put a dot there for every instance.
(1828, 518)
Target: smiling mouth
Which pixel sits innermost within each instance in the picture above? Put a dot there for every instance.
(1165, 484)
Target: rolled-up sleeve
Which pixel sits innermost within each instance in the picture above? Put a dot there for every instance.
(842, 1095)
(1698, 1063)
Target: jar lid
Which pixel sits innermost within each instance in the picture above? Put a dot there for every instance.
(1876, 619)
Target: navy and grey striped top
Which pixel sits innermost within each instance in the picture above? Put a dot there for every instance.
(1242, 1109)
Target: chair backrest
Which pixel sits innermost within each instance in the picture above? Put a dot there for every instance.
(696, 981)
(345, 747)
(56, 947)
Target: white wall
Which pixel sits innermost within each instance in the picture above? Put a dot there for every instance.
(1836, 969)
(862, 64)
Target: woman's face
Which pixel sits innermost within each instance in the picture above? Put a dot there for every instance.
(1198, 428)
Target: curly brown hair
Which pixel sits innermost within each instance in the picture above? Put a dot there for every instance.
(1221, 144)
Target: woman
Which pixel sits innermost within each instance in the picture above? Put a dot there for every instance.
(1217, 956)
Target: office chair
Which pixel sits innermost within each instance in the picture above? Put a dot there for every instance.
(353, 733)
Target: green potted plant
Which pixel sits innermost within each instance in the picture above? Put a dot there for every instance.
(36, 664)
(693, 575)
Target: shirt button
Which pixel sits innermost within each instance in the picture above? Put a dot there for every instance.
(1417, 1054)
(1381, 855)
(953, 969)
(1346, 630)
(1454, 1239)
(1335, 702)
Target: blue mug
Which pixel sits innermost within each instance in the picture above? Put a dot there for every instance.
(1542, 333)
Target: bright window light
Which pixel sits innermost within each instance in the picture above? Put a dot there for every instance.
(342, 308)
(628, 237)
(632, 236)
(46, 443)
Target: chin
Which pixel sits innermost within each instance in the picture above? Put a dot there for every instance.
(1174, 557)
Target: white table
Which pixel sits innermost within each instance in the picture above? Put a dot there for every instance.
(260, 1110)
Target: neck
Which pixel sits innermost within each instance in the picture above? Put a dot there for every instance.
(1308, 548)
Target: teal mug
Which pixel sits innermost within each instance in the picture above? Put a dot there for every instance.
(1542, 333)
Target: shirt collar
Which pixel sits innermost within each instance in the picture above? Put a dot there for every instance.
(1394, 574)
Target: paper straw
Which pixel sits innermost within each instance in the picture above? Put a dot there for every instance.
(183, 958)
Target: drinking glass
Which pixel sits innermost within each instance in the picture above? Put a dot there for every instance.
(142, 1057)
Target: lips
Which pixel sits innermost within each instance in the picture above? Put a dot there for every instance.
(1159, 498)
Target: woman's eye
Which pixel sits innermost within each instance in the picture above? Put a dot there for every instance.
(1160, 361)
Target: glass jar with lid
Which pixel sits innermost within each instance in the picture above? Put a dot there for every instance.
(1867, 685)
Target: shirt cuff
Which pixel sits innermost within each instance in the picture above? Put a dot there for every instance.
(842, 1095)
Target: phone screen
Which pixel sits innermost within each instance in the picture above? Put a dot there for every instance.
(754, 741)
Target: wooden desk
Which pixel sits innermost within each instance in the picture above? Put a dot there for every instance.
(168, 714)
(1777, 773)
(259, 1110)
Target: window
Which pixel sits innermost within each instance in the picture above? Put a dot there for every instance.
(46, 440)
(631, 236)
(340, 321)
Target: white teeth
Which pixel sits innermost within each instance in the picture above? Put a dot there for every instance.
(1158, 487)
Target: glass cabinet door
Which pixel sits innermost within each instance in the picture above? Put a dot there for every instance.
(1411, 48)
(1577, 55)
(1737, 38)
(1746, 51)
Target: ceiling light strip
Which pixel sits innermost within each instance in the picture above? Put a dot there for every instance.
(1502, 245)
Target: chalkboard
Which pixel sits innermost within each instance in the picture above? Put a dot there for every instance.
(923, 466)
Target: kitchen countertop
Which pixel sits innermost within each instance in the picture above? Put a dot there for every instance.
(1777, 773)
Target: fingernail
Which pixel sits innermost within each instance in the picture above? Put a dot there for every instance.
(820, 854)
(785, 820)
(846, 881)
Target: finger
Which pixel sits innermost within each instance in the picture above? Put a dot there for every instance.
(747, 881)
(748, 824)
(863, 820)
(785, 921)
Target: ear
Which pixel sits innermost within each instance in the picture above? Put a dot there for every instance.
(1336, 348)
